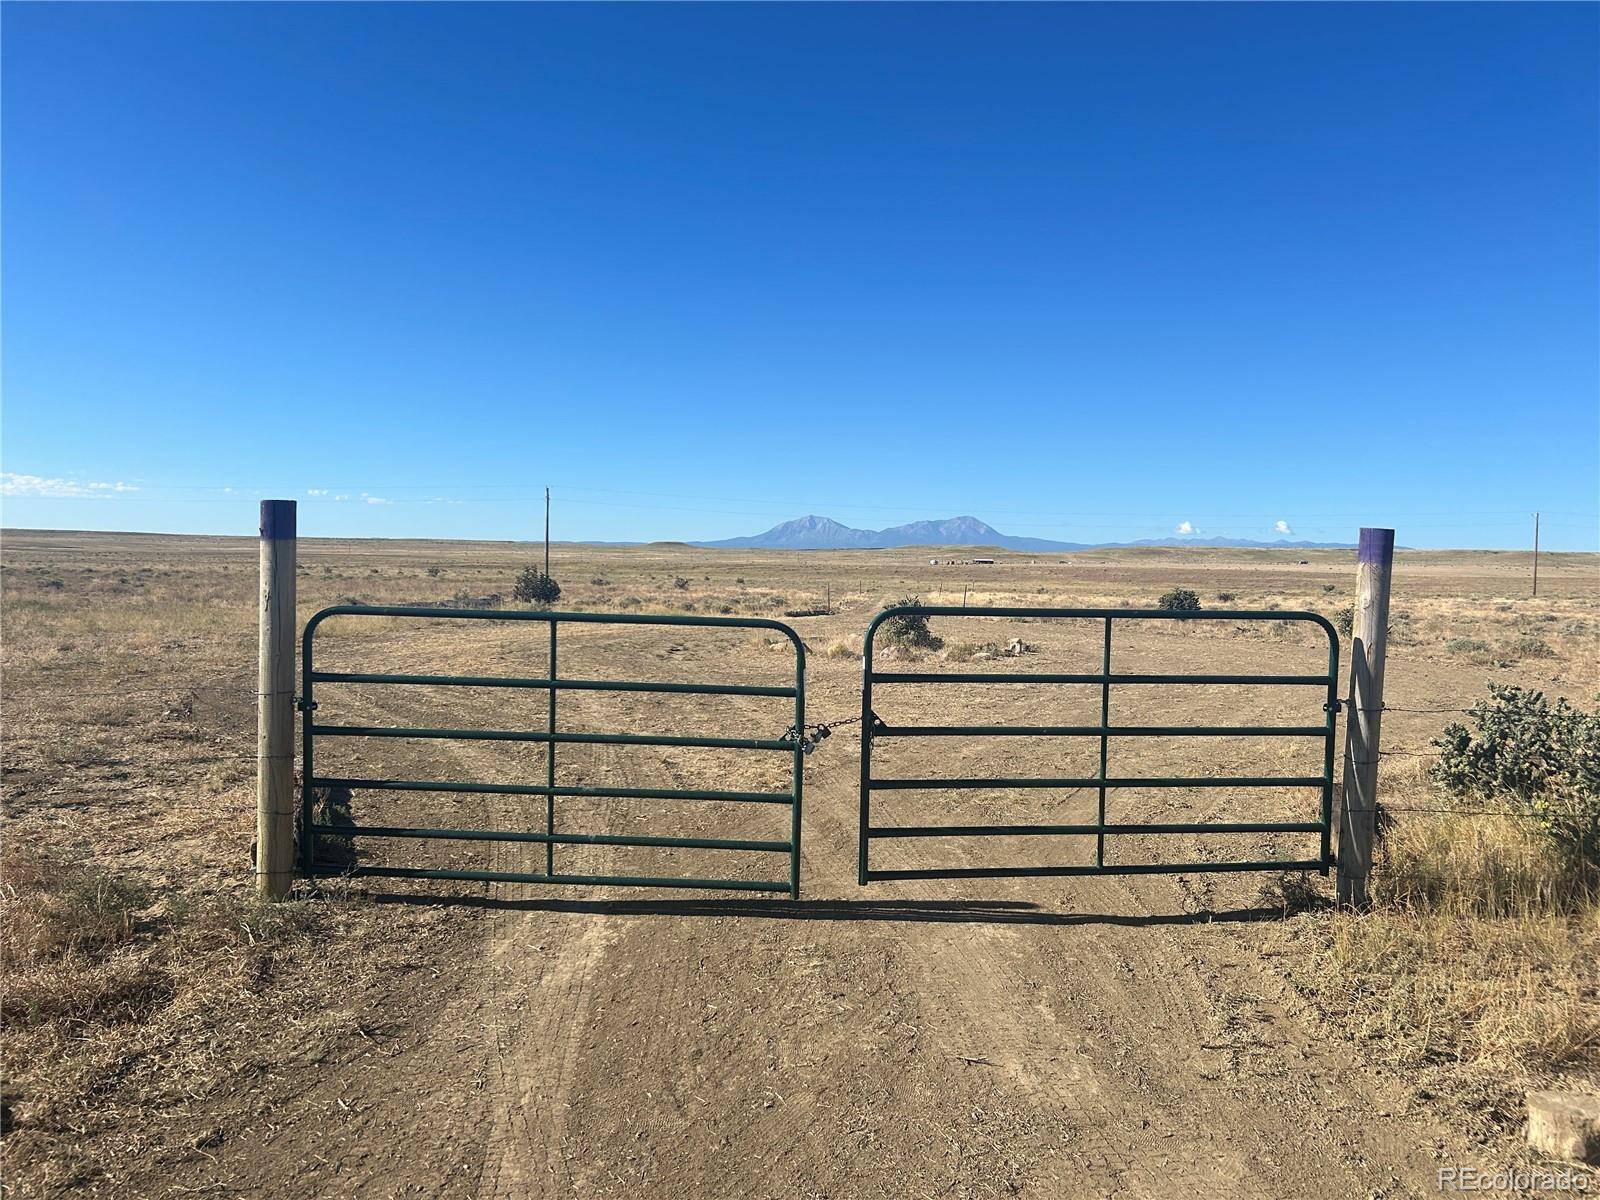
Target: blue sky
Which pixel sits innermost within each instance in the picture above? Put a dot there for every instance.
(1089, 272)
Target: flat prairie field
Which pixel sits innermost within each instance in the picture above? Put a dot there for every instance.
(1059, 1036)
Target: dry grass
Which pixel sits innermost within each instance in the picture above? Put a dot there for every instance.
(1482, 948)
(1511, 994)
(119, 1006)
(143, 985)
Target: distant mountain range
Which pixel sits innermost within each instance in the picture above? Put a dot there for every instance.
(824, 533)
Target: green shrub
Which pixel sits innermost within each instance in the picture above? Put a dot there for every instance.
(1224, 597)
(1345, 619)
(1529, 645)
(1541, 758)
(1466, 645)
(680, 583)
(1179, 600)
(533, 586)
(910, 631)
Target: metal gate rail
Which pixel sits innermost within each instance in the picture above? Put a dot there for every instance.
(552, 737)
(872, 728)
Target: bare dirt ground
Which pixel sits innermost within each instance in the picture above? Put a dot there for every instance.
(1113, 1036)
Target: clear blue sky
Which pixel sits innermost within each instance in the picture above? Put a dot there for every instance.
(1084, 272)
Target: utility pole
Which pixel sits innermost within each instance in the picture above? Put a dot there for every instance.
(547, 533)
(1535, 554)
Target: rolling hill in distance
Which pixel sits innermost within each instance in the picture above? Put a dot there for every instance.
(824, 533)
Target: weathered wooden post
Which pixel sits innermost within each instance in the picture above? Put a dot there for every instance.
(1369, 640)
(275, 850)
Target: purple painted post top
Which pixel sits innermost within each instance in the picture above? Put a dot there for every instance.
(1377, 546)
(277, 520)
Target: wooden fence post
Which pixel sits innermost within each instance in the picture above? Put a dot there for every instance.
(1368, 643)
(275, 849)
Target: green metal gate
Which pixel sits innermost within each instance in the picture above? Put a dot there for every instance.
(872, 729)
(312, 732)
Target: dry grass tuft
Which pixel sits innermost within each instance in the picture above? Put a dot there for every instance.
(1481, 951)
(1476, 866)
(111, 999)
(1507, 993)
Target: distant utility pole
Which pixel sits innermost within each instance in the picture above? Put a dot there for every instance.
(547, 533)
(1535, 554)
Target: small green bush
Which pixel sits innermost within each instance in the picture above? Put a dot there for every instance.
(1529, 645)
(1541, 758)
(1179, 600)
(533, 586)
(1345, 619)
(1466, 645)
(910, 631)
(680, 583)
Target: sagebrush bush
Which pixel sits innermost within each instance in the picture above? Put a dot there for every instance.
(1529, 645)
(533, 586)
(1179, 600)
(910, 630)
(1541, 758)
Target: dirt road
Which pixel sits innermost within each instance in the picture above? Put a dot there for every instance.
(1035, 1037)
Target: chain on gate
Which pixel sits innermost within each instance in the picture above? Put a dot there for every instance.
(810, 736)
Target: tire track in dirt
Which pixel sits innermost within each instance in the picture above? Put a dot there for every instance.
(892, 1047)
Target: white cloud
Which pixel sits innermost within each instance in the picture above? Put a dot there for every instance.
(1281, 527)
(13, 484)
(1185, 528)
(316, 491)
(375, 499)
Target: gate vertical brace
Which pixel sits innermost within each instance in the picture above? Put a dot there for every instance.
(550, 757)
(1329, 746)
(308, 705)
(1105, 724)
(864, 822)
(798, 792)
